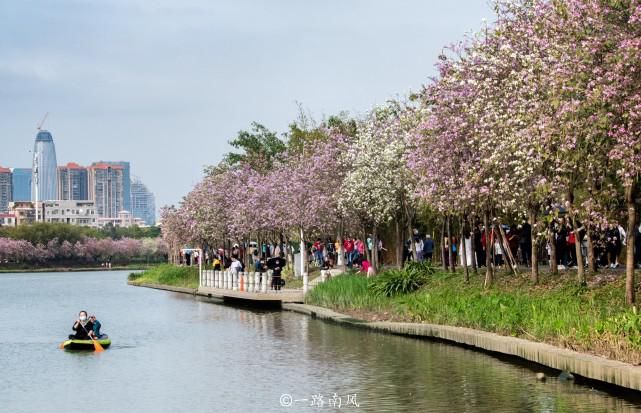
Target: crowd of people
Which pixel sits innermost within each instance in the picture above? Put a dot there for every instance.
(321, 253)
(507, 245)
(324, 254)
(514, 243)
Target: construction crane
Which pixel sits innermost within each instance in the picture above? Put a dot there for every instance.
(42, 122)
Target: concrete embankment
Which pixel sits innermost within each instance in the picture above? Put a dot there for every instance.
(585, 365)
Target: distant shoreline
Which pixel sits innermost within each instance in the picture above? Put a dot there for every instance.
(72, 269)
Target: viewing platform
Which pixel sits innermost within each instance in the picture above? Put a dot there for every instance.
(251, 286)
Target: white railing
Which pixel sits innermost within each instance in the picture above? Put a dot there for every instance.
(251, 282)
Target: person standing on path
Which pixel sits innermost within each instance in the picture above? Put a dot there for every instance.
(276, 265)
(348, 245)
(428, 248)
(525, 242)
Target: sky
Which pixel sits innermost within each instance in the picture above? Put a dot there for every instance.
(166, 84)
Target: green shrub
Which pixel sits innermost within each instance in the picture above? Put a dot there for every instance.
(417, 269)
(134, 276)
(394, 282)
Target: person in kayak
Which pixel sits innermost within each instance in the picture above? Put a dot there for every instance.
(96, 326)
(83, 327)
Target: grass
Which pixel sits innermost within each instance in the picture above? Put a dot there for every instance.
(346, 292)
(168, 274)
(591, 318)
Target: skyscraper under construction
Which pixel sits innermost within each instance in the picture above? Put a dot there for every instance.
(45, 168)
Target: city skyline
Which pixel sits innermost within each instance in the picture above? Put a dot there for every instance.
(106, 183)
(170, 84)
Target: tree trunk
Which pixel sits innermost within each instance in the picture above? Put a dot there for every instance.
(580, 273)
(375, 264)
(489, 245)
(463, 250)
(244, 252)
(399, 246)
(552, 241)
(507, 251)
(290, 255)
(411, 239)
(442, 246)
(281, 240)
(303, 253)
(472, 243)
(629, 248)
(450, 255)
(340, 258)
(592, 267)
(534, 250)
(368, 255)
(259, 245)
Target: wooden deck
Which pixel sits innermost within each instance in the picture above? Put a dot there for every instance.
(282, 296)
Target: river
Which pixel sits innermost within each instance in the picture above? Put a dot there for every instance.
(175, 353)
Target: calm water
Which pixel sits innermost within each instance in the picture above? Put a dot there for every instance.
(172, 353)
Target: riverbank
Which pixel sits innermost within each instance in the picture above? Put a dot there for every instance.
(590, 319)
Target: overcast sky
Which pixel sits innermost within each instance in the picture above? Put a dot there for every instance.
(165, 84)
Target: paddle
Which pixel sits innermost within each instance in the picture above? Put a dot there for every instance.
(96, 346)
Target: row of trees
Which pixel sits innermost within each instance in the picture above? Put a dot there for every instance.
(87, 250)
(342, 176)
(536, 114)
(43, 232)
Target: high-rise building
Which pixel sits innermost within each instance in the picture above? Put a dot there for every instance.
(143, 202)
(21, 184)
(126, 188)
(6, 193)
(45, 168)
(73, 182)
(106, 188)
